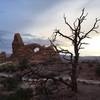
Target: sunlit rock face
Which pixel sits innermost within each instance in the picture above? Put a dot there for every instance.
(35, 53)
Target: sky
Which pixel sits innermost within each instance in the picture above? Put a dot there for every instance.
(36, 20)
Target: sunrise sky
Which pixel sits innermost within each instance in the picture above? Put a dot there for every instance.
(36, 20)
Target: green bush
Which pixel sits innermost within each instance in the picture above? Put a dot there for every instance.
(10, 83)
(21, 94)
(23, 64)
(98, 71)
(8, 68)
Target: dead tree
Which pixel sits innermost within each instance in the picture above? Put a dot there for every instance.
(77, 36)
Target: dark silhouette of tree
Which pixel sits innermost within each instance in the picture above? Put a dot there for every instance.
(77, 36)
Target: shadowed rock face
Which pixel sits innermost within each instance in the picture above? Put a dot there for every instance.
(2, 57)
(17, 43)
(33, 52)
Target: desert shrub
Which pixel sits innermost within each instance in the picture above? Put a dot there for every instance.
(97, 71)
(44, 90)
(8, 68)
(90, 64)
(10, 83)
(24, 94)
(3, 97)
(21, 94)
(23, 64)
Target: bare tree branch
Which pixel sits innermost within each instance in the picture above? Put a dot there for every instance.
(76, 38)
(82, 13)
(68, 23)
(61, 34)
(92, 29)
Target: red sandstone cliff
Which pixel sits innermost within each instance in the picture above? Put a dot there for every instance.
(33, 52)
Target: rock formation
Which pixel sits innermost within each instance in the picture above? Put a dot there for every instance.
(17, 43)
(2, 57)
(35, 53)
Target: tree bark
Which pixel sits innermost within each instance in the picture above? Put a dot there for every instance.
(75, 65)
(74, 78)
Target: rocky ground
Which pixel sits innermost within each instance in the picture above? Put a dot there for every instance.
(86, 91)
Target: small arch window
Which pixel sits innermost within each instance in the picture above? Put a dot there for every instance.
(36, 49)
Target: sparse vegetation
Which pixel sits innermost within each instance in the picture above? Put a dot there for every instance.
(21, 94)
(23, 64)
(9, 68)
(10, 83)
(97, 71)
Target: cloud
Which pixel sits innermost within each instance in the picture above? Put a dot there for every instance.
(40, 18)
(47, 21)
(19, 14)
(28, 38)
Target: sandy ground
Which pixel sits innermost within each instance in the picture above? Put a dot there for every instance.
(85, 92)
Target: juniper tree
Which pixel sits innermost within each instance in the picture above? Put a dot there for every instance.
(77, 36)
